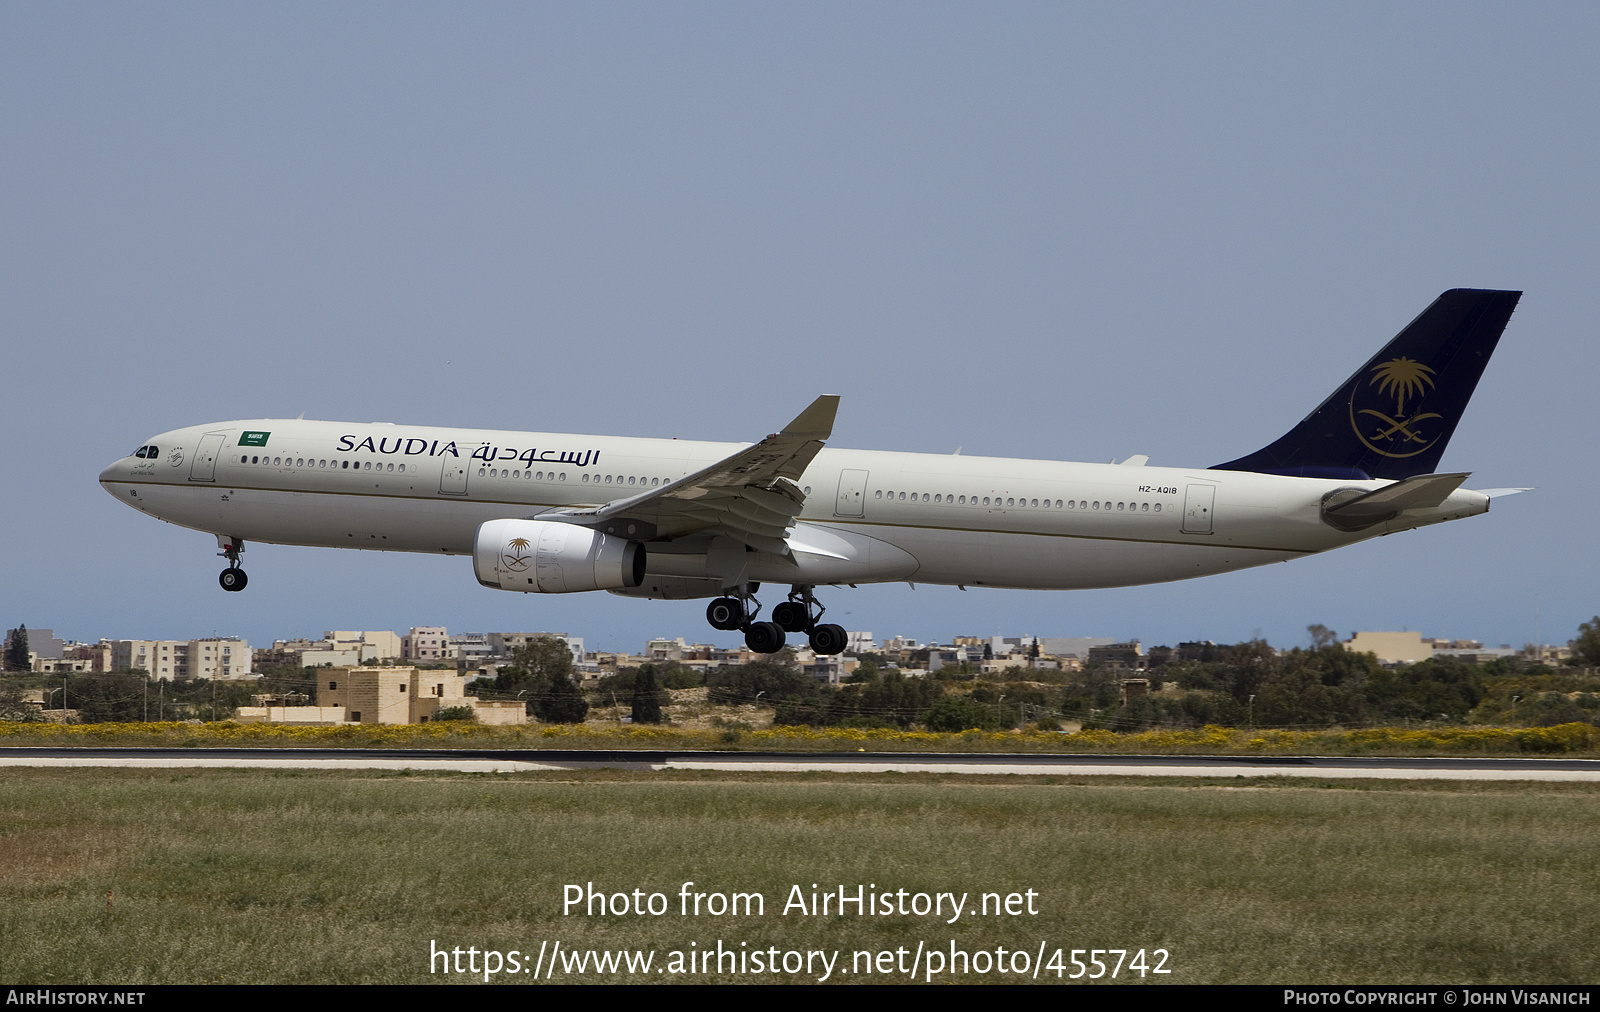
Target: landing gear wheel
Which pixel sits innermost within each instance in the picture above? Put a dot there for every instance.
(764, 637)
(233, 579)
(792, 616)
(725, 613)
(829, 639)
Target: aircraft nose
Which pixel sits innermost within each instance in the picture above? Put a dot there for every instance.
(110, 473)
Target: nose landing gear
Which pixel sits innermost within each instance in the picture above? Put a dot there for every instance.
(799, 614)
(232, 578)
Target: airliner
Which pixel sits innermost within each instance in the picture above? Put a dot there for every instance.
(550, 513)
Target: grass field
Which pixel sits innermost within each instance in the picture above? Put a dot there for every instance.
(242, 876)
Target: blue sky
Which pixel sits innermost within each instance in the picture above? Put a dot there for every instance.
(1055, 231)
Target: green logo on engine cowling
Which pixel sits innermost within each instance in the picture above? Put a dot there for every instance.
(254, 439)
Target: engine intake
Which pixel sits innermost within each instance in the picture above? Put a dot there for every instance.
(545, 557)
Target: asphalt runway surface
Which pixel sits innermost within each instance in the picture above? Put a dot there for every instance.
(531, 760)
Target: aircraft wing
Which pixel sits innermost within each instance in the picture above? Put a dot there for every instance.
(750, 496)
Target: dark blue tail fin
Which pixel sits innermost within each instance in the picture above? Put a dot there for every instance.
(1393, 418)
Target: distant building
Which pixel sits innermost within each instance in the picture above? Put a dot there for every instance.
(470, 649)
(1072, 646)
(1471, 651)
(43, 644)
(425, 643)
(405, 695)
(830, 669)
(503, 645)
(1127, 656)
(327, 658)
(961, 653)
(372, 645)
(1392, 647)
(860, 643)
(226, 657)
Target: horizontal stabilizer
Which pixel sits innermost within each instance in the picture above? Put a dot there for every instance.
(1350, 510)
(1497, 493)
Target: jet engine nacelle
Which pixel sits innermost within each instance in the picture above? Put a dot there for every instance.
(545, 557)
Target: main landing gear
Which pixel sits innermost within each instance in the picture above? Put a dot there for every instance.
(799, 614)
(232, 578)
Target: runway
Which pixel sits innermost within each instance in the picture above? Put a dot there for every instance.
(550, 760)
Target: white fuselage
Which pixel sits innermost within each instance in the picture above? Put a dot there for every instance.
(870, 516)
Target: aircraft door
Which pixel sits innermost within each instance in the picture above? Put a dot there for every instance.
(852, 501)
(204, 466)
(453, 480)
(1198, 501)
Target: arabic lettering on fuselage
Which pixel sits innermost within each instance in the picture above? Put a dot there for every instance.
(486, 452)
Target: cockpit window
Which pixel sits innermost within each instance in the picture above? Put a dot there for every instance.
(146, 452)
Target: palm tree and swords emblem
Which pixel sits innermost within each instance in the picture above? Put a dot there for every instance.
(515, 557)
(1403, 379)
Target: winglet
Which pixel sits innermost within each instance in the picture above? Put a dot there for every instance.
(815, 422)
